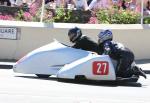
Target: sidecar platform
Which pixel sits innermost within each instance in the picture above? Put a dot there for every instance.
(131, 79)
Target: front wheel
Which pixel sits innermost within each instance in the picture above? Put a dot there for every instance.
(42, 75)
(80, 77)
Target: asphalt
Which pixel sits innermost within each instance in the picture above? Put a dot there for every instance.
(7, 64)
(144, 64)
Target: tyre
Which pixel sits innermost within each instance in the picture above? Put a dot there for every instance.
(42, 75)
(80, 77)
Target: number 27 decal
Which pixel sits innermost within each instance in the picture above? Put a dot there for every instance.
(100, 68)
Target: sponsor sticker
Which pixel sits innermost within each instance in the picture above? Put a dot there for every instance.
(100, 68)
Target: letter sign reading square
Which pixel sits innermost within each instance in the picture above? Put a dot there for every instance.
(100, 68)
(8, 33)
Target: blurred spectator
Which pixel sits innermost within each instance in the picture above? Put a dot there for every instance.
(35, 6)
(71, 4)
(120, 4)
(81, 4)
(147, 8)
(132, 5)
(99, 4)
(50, 4)
(23, 2)
(12, 2)
(48, 1)
(59, 3)
(5, 2)
(123, 5)
(148, 5)
(88, 2)
(116, 2)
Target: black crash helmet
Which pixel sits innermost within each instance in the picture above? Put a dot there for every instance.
(74, 34)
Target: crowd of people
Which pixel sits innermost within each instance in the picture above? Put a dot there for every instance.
(86, 4)
(98, 4)
(7, 2)
(147, 8)
(15, 2)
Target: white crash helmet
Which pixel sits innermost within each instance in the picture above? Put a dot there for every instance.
(105, 35)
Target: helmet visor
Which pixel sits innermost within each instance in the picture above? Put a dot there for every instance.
(72, 36)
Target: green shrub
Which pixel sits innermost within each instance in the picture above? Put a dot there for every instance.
(103, 16)
(69, 16)
(61, 15)
(146, 20)
(115, 16)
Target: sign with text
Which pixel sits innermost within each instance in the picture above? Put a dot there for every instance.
(100, 68)
(8, 33)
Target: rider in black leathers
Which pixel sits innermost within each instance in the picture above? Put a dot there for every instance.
(121, 54)
(81, 41)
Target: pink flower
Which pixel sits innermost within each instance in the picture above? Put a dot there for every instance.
(6, 17)
(27, 16)
(35, 6)
(93, 20)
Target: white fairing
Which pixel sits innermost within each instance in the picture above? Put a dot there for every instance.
(48, 59)
(66, 62)
(93, 67)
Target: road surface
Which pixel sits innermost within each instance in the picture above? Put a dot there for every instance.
(23, 88)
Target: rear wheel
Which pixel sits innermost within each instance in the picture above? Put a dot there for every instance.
(42, 75)
(80, 77)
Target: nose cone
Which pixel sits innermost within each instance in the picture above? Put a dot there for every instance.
(15, 68)
(18, 68)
